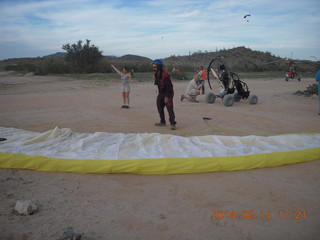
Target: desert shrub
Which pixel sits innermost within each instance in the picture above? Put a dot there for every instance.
(311, 90)
(22, 67)
(83, 57)
(104, 66)
(54, 66)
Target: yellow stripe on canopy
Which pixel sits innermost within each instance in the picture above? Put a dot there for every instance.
(157, 165)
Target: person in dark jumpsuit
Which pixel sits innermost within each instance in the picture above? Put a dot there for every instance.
(165, 94)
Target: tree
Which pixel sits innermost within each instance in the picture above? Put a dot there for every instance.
(83, 57)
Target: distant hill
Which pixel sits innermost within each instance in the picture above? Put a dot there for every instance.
(125, 58)
(131, 59)
(57, 54)
(238, 59)
(134, 58)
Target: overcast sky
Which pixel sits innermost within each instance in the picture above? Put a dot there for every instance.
(162, 28)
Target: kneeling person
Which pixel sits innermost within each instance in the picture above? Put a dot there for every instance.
(193, 90)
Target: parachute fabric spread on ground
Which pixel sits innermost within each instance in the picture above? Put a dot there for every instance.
(61, 150)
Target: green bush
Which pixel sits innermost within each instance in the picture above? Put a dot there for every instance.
(54, 66)
(22, 67)
(311, 90)
(84, 58)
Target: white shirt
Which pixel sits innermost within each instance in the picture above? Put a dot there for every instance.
(192, 87)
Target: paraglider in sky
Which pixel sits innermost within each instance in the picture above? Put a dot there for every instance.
(247, 15)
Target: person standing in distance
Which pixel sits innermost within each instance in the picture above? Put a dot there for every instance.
(203, 76)
(125, 85)
(165, 94)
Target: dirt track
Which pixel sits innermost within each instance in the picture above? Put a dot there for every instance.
(41, 103)
(123, 206)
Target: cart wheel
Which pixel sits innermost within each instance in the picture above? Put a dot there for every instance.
(237, 97)
(228, 100)
(210, 97)
(253, 99)
(299, 77)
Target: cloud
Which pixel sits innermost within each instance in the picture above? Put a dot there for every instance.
(159, 28)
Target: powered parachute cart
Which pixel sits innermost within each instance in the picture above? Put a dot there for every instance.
(232, 89)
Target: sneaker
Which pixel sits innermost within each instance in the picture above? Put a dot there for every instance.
(160, 124)
(123, 106)
(182, 97)
(172, 126)
(127, 107)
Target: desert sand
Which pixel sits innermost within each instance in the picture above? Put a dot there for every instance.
(123, 206)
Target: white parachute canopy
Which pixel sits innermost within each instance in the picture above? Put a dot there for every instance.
(66, 144)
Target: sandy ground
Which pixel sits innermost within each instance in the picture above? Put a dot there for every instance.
(122, 206)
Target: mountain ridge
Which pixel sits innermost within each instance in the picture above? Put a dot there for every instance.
(238, 59)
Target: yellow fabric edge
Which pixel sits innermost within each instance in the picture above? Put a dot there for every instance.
(158, 165)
